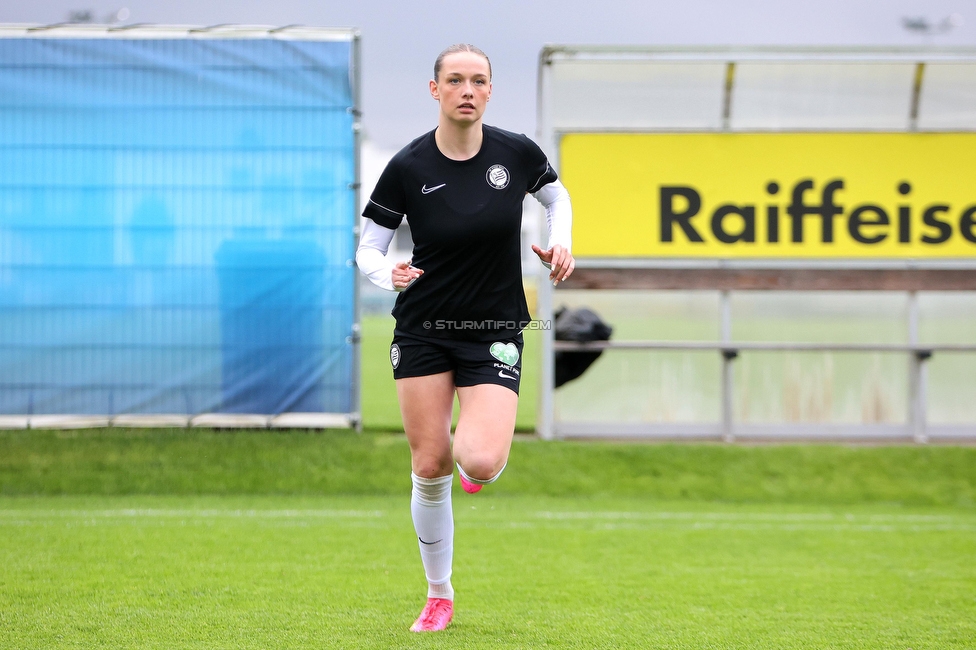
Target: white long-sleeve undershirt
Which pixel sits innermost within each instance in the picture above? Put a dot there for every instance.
(559, 213)
(374, 240)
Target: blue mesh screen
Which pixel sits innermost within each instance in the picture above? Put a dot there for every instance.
(176, 226)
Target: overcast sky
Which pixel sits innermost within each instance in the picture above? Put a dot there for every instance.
(401, 39)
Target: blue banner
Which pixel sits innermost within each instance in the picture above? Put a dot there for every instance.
(176, 226)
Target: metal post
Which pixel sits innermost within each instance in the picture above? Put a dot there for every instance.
(916, 96)
(914, 371)
(725, 307)
(725, 301)
(547, 375)
(728, 355)
(355, 336)
(920, 373)
(727, 96)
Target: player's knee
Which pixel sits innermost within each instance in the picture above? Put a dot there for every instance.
(432, 466)
(483, 466)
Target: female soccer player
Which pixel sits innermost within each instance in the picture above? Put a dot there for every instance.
(461, 306)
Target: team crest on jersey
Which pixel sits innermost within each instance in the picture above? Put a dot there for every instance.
(498, 177)
(395, 355)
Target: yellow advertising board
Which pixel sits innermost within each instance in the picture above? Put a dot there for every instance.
(763, 195)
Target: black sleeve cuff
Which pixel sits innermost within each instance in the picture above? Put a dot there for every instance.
(544, 180)
(383, 217)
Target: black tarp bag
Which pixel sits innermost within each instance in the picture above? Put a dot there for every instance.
(580, 325)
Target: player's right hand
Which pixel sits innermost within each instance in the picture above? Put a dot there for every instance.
(404, 275)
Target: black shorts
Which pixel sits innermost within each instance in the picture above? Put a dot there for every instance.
(473, 362)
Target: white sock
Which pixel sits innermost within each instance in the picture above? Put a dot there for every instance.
(433, 519)
(478, 481)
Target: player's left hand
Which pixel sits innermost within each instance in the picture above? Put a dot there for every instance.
(559, 260)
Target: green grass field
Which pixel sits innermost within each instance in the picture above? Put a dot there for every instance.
(258, 539)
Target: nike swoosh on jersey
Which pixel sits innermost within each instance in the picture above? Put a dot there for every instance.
(428, 190)
(502, 374)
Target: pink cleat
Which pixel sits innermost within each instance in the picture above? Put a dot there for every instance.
(435, 617)
(468, 486)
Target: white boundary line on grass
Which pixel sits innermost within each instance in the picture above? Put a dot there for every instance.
(212, 513)
(747, 516)
(757, 521)
(839, 526)
(593, 520)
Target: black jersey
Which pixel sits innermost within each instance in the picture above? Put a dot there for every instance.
(465, 218)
